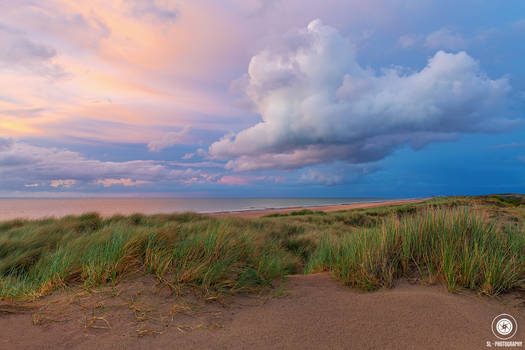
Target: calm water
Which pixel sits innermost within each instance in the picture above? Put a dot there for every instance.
(35, 208)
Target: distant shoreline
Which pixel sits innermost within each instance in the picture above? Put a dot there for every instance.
(255, 213)
(22, 208)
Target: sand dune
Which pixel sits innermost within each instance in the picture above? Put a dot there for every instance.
(315, 312)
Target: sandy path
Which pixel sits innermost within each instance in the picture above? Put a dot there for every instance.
(326, 208)
(316, 313)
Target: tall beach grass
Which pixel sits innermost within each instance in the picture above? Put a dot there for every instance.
(368, 249)
(456, 246)
(187, 250)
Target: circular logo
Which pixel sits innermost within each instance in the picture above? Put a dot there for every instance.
(504, 326)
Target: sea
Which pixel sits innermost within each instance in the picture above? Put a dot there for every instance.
(11, 208)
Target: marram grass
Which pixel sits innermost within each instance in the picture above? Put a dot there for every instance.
(213, 256)
(456, 246)
(367, 249)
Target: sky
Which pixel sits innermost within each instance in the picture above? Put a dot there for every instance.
(261, 98)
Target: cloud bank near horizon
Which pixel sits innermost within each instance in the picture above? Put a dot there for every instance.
(319, 105)
(37, 167)
(40, 169)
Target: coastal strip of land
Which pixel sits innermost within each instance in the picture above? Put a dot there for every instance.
(326, 208)
(401, 274)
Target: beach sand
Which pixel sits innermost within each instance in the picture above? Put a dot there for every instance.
(325, 208)
(314, 312)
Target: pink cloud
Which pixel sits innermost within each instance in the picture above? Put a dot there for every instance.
(245, 180)
(62, 183)
(122, 181)
(31, 185)
(235, 180)
(118, 62)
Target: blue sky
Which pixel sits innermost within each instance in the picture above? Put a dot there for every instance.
(261, 98)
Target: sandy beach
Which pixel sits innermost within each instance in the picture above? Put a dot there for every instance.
(325, 208)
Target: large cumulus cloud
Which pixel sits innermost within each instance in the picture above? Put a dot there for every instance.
(319, 104)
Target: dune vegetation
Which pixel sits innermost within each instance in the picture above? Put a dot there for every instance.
(475, 243)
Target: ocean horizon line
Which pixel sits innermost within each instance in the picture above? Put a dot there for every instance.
(11, 208)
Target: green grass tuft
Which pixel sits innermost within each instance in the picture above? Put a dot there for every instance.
(455, 246)
(211, 255)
